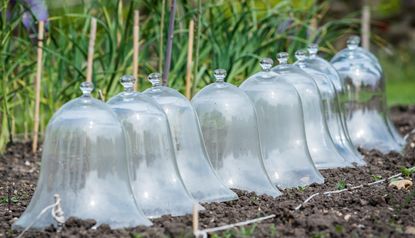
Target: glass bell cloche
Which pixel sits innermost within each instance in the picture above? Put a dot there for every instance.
(333, 114)
(85, 163)
(192, 158)
(158, 187)
(320, 144)
(365, 109)
(281, 129)
(229, 127)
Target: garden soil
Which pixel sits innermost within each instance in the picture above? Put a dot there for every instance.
(372, 211)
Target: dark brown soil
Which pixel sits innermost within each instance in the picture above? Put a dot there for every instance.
(376, 211)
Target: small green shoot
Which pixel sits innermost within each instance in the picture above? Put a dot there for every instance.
(247, 231)
(273, 230)
(5, 199)
(376, 177)
(341, 184)
(302, 188)
(339, 228)
(407, 172)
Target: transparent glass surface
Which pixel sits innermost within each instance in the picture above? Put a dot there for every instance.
(320, 144)
(281, 129)
(84, 161)
(193, 162)
(155, 179)
(365, 109)
(229, 127)
(334, 116)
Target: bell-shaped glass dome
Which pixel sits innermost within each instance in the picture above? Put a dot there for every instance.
(281, 129)
(157, 185)
(355, 40)
(84, 161)
(192, 158)
(320, 144)
(365, 109)
(333, 114)
(229, 127)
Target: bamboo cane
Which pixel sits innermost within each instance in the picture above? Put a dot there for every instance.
(170, 35)
(91, 45)
(366, 26)
(41, 29)
(136, 46)
(189, 60)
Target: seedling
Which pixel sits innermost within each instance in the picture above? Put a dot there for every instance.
(5, 199)
(302, 188)
(341, 185)
(407, 172)
(376, 177)
(273, 230)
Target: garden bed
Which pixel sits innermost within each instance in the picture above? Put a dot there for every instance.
(377, 210)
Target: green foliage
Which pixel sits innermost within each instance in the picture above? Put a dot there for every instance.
(376, 177)
(230, 34)
(302, 188)
(339, 228)
(341, 184)
(407, 172)
(273, 230)
(5, 199)
(319, 235)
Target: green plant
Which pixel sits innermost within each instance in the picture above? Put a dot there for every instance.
(302, 188)
(407, 172)
(376, 177)
(341, 184)
(273, 230)
(5, 199)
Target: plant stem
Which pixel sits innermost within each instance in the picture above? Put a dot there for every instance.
(166, 68)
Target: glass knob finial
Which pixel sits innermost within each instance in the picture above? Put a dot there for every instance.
(86, 88)
(301, 56)
(282, 57)
(155, 79)
(266, 64)
(312, 49)
(128, 82)
(219, 75)
(353, 42)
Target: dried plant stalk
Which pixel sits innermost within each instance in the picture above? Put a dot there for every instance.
(366, 26)
(188, 92)
(170, 35)
(91, 45)
(41, 29)
(136, 45)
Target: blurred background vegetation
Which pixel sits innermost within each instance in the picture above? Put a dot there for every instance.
(229, 34)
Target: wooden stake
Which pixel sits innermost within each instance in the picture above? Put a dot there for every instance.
(170, 35)
(189, 60)
(91, 45)
(195, 219)
(41, 29)
(366, 26)
(136, 46)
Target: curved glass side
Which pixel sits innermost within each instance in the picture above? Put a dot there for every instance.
(281, 129)
(320, 144)
(366, 110)
(229, 128)
(333, 114)
(192, 158)
(155, 179)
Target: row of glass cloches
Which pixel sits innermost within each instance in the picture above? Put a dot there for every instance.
(145, 155)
